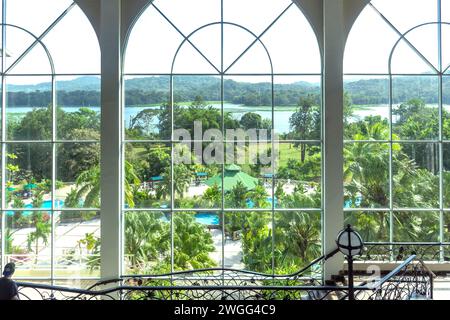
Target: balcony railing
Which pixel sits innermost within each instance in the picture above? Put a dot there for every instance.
(410, 280)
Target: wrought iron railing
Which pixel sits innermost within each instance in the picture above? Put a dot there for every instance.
(411, 279)
(399, 251)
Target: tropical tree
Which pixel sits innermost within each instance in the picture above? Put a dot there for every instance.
(297, 238)
(192, 243)
(305, 123)
(42, 232)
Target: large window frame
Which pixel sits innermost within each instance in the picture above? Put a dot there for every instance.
(51, 275)
(436, 251)
(222, 73)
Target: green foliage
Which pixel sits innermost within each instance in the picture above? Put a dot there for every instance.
(251, 120)
(147, 242)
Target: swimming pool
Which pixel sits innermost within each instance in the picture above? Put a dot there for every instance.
(251, 204)
(206, 218)
(47, 204)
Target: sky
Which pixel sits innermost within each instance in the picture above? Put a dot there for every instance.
(290, 41)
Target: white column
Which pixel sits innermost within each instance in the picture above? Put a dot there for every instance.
(333, 45)
(111, 138)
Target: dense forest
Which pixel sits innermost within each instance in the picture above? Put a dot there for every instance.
(154, 90)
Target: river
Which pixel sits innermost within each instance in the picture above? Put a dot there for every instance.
(281, 114)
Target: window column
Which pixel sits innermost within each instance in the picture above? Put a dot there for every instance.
(333, 22)
(111, 138)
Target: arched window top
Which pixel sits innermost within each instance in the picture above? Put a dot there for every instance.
(35, 29)
(400, 37)
(222, 37)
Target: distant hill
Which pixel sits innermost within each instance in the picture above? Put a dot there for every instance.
(78, 84)
(155, 90)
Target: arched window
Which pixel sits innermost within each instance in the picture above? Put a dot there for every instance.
(50, 62)
(196, 71)
(397, 87)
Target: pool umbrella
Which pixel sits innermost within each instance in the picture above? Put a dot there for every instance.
(30, 186)
(233, 175)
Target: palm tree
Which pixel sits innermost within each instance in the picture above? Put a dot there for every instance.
(182, 178)
(88, 187)
(212, 196)
(237, 197)
(147, 238)
(192, 243)
(297, 238)
(259, 196)
(42, 232)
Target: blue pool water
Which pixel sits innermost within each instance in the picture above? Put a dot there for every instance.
(207, 218)
(348, 203)
(45, 205)
(210, 219)
(251, 204)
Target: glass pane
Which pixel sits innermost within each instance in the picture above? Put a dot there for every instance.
(415, 112)
(297, 113)
(235, 41)
(445, 41)
(176, 10)
(248, 102)
(197, 184)
(208, 42)
(23, 13)
(78, 175)
(369, 44)
(29, 108)
(243, 13)
(28, 243)
(16, 45)
(366, 108)
(147, 108)
(419, 11)
(28, 175)
(147, 175)
(425, 40)
(255, 61)
(406, 60)
(416, 175)
(366, 175)
(74, 45)
(141, 56)
(446, 227)
(77, 244)
(248, 176)
(446, 108)
(446, 175)
(248, 241)
(298, 176)
(197, 241)
(76, 283)
(36, 61)
(78, 103)
(294, 55)
(190, 61)
(147, 242)
(197, 103)
(445, 10)
(372, 226)
(416, 226)
(297, 240)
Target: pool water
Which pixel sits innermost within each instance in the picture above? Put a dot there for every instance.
(45, 205)
(206, 218)
(348, 203)
(251, 204)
